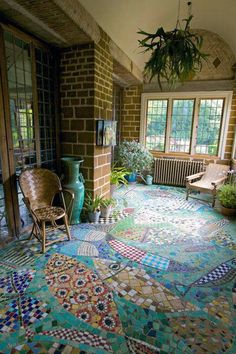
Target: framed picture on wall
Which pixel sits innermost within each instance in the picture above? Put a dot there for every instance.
(99, 132)
(106, 132)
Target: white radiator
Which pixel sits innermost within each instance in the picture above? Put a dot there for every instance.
(175, 171)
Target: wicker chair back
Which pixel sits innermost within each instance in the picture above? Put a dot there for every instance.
(39, 186)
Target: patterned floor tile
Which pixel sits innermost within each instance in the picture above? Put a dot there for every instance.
(159, 280)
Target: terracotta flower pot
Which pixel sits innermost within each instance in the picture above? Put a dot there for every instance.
(228, 211)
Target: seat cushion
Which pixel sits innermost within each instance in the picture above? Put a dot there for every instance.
(49, 213)
(202, 185)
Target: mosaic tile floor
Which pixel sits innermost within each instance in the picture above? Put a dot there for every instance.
(160, 280)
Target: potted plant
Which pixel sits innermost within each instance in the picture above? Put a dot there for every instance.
(135, 158)
(118, 177)
(106, 207)
(92, 206)
(227, 198)
(175, 55)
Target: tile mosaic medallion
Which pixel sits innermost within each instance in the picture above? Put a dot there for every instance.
(160, 280)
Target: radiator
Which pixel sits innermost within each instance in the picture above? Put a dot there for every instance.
(175, 171)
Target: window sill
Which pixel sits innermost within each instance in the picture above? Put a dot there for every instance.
(207, 158)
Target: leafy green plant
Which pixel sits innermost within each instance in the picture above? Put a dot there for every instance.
(175, 55)
(227, 195)
(118, 175)
(134, 157)
(108, 202)
(92, 204)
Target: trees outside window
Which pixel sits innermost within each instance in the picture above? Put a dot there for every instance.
(186, 123)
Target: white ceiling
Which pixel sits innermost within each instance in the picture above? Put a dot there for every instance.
(121, 19)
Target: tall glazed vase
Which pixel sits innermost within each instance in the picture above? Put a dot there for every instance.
(73, 180)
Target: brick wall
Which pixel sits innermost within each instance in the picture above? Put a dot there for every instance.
(130, 118)
(86, 94)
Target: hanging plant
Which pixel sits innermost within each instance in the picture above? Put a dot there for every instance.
(175, 55)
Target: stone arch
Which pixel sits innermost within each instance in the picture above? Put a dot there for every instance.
(221, 57)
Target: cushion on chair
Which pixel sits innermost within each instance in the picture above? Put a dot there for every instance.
(215, 172)
(202, 184)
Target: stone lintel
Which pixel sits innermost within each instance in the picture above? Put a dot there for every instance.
(124, 67)
(77, 13)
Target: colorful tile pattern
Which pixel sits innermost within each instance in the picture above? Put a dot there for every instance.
(136, 255)
(220, 308)
(137, 286)
(160, 280)
(79, 337)
(81, 292)
(202, 335)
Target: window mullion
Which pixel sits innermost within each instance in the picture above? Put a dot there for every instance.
(143, 121)
(35, 106)
(194, 127)
(168, 125)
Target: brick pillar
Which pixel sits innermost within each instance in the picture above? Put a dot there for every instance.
(86, 95)
(130, 118)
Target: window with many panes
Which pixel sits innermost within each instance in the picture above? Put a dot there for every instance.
(185, 123)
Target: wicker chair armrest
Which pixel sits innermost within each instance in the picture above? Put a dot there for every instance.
(196, 175)
(69, 191)
(219, 181)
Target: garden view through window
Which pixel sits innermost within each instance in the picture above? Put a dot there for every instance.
(185, 125)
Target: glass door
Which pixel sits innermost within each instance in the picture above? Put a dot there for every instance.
(3, 217)
(29, 115)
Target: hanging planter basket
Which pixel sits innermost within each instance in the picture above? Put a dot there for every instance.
(175, 55)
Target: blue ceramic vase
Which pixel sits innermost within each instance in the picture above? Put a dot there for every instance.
(72, 179)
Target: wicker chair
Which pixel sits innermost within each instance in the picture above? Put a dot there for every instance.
(39, 187)
(208, 181)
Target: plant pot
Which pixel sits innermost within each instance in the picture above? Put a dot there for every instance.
(113, 188)
(149, 180)
(228, 211)
(94, 216)
(106, 211)
(131, 178)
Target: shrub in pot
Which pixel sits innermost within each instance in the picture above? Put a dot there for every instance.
(92, 206)
(106, 207)
(134, 157)
(227, 198)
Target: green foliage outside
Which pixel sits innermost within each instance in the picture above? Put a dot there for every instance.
(181, 125)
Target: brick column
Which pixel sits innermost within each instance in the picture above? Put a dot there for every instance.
(130, 117)
(86, 95)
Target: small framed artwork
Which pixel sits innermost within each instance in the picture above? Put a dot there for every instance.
(106, 132)
(99, 132)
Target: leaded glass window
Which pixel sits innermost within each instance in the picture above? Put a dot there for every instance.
(192, 123)
(156, 124)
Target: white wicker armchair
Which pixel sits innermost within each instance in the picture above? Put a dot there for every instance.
(208, 181)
